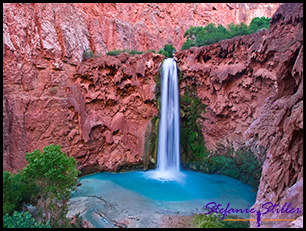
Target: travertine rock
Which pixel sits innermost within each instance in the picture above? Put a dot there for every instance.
(64, 30)
(282, 134)
(223, 74)
(99, 116)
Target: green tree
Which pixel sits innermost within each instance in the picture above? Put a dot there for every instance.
(259, 23)
(16, 191)
(238, 29)
(189, 43)
(55, 174)
(202, 36)
(167, 51)
(22, 220)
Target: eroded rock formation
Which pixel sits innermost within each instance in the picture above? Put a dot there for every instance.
(44, 43)
(233, 85)
(253, 86)
(97, 112)
(282, 134)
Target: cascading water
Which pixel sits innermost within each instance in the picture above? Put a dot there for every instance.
(168, 155)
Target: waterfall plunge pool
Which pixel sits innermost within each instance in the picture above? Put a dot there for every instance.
(142, 199)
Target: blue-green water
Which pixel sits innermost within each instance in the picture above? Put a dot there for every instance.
(194, 186)
(136, 194)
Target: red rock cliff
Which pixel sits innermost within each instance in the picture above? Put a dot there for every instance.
(98, 109)
(253, 86)
(43, 45)
(65, 30)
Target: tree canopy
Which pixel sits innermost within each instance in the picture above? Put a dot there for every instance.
(202, 36)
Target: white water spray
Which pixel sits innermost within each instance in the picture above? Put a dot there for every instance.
(168, 155)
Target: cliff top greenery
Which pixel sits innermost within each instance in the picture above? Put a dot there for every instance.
(167, 51)
(198, 36)
(202, 36)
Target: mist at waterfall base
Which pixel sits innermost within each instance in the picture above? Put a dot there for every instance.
(167, 189)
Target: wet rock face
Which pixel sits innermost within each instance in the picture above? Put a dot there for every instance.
(98, 109)
(43, 47)
(282, 134)
(112, 100)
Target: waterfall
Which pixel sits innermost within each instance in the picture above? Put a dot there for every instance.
(168, 155)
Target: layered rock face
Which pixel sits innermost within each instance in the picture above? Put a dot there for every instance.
(97, 112)
(280, 125)
(253, 86)
(64, 30)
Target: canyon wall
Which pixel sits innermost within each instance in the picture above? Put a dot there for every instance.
(43, 46)
(98, 112)
(98, 109)
(253, 86)
(64, 30)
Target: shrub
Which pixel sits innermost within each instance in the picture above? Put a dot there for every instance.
(238, 29)
(129, 52)
(259, 23)
(214, 220)
(208, 221)
(55, 174)
(241, 165)
(167, 51)
(87, 54)
(201, 36)
(16, 191)
(189, 43)
(22, 220)
(114, 52)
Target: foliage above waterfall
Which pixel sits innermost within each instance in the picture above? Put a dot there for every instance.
(201, 36)
(167, 51)
(127, 51)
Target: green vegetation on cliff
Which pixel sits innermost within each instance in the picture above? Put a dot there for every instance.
(202, 36)
(240, 164)
(167, 51)
(191, 136)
